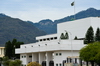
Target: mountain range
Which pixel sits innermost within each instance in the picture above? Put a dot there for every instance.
(26, 31)
(11, 28)
(50, 26)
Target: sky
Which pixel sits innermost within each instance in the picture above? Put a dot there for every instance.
(36, 10)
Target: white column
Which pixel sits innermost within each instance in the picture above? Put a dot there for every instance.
(0, 51)
(41, 57)
(35, 57)
(49, 57)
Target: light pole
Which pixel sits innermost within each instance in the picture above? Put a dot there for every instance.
(71, 44)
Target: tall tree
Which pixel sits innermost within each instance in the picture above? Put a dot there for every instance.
(89, 37)
(62, 36)
(66, 36)
(10, 48)
(97, 35)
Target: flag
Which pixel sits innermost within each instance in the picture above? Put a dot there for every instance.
(72, 4)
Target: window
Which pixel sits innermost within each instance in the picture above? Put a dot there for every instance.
(60, 64)
(56, 64)
(24, 56)
(59, 53)
(47, 38)
(44, 39)
(40, 39)
(51, 38)
(56, 54)
(30, 56)
(55, 37)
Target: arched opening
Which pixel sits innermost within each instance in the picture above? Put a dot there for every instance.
(64, 61)
(44, 63)
(51, 63)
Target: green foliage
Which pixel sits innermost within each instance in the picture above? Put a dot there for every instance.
(75, 38)
(97, 35)
(91, 52)
(62, 36)
(33, 64)
(7, 62)
(15, 63)
(66, 36)
(10, 48)
(89, 37)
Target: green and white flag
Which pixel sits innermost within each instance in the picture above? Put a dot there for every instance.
(72, 4)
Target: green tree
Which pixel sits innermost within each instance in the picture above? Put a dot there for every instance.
(33, 64)
(89, 37)
(75, 38)
(7, 62)
(62, 36)
(91, 53)
(66, 36)
(97, 35)
(10, 48)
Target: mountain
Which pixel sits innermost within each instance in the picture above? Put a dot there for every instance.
(11, 28)
(50, 27)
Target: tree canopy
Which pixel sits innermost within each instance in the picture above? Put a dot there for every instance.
(33, 64)
(10, 48)
(89, 37)
(97, 35)
(91, 52)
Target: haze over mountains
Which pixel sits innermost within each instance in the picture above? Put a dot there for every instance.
(26, 32)
(50, 27)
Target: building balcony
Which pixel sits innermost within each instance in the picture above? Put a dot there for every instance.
(53, 45)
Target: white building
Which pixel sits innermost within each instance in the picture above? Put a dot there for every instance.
(51, 49)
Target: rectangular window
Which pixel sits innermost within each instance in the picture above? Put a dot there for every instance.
(30, 56)
(24, 56)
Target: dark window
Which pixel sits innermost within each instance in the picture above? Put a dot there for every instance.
(24, 56)
(51, 38)
(44, 39)
(59, 53)
(40, 39)
(56, 54)
(60, 64)
(30, 56)
(56, 64)
(55, 37)
(48, 39)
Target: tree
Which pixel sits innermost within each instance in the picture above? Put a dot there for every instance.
(91, 53)
(75, 38)
(97, 35)
(10, 48)
(89, 37)
(66, 36)
(7, 62)
(62, 36)
(33, 64)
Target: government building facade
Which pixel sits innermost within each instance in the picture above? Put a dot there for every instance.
(50, 50)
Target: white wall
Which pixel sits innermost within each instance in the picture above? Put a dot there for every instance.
(78, 27)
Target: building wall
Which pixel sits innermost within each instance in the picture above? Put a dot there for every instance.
(1, 51)
(78, 27)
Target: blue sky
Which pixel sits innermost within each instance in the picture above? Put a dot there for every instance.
(36, 10)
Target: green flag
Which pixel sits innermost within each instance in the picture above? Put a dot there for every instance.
(72, 4)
